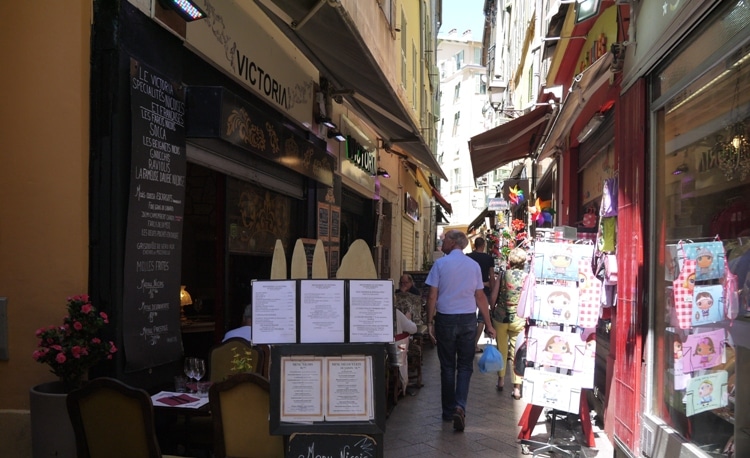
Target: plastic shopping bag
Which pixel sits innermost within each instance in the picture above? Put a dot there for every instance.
(491, 360)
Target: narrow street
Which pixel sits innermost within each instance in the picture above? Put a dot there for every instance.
(415, 428)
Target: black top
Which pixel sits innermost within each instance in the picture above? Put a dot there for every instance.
(485, 262)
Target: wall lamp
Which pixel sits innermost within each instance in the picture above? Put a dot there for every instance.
(590, 127)
(326, 121)
(187, 9)
(336, 135)
(383, 172)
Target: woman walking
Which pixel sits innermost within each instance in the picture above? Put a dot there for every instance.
(506, 322)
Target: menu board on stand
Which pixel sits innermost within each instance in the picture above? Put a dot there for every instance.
(153, 244)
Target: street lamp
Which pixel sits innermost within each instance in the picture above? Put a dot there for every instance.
(496, 92)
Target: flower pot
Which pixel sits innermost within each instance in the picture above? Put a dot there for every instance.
(51, 430)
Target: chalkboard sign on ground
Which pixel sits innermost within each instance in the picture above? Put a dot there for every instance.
(338, 445)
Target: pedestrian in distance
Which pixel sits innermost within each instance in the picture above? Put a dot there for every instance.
(487, 265)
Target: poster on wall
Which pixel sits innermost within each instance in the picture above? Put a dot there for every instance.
(153, 240)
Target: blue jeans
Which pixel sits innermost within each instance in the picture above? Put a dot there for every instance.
(455, 347)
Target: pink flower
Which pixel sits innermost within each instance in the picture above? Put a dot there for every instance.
(56, 347)
(76, 351)
(60, 358)
(86, 308)
(95, 340)
(104, 317)
(36, 355)
(39, 332)
(78, 326)
(112, 348)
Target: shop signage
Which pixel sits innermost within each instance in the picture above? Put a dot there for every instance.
(497, 204)
(238, 38)
(219, 113)
(153, 243)
(361, 157)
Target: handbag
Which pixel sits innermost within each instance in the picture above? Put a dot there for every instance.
(708, 257)
(491, 360)
(520, 362)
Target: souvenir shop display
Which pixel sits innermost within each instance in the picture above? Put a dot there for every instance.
(562, 296)
(703, 289)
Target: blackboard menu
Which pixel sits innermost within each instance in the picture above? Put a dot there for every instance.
(153, 244)
(338, 445)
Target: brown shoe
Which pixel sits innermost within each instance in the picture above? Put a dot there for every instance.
(459, 419)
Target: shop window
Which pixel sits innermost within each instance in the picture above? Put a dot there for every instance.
(701, 219)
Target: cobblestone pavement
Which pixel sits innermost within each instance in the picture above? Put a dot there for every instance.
(415, 428)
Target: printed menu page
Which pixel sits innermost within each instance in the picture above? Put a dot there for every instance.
(371, 311)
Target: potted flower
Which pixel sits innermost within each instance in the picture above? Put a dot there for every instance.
(70, 350)
(73, 348)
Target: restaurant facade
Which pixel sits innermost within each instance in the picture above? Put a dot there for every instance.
(182, 153)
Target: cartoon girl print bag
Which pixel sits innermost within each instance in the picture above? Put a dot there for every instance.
(708, 257)
(682, 296)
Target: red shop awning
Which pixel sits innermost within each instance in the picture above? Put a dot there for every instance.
(516, 139)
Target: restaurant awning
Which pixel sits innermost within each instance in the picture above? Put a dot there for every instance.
(585, 84)
(478, 221)
(327, 34)
(508, 142)
(440, 219)
(441, 200)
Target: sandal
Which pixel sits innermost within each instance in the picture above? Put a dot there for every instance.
(516, 394)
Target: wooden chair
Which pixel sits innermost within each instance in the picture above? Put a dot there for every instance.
(240, 408)
(221, 355)
(112, 420)
(264, 369)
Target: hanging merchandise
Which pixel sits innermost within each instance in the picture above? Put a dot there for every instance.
(704, 350)
(526, 301)
(552, 390)
(607, 240)
(680, 294)
(693, 299)
(589, 291)
(554, 348)
(608, 206)
(585, 362)
(708, 258)
(589, 219)
(559, 261)
(706, 392)
(677, 371)
(708, 304)
(556, 304)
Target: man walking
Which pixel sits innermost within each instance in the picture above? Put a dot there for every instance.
(456, 290)
(487, 266)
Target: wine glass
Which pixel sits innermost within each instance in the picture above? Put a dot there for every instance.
(189, 369)
(199, 368)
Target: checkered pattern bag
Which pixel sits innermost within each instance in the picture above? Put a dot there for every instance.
(682, 292)
(589, 292)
